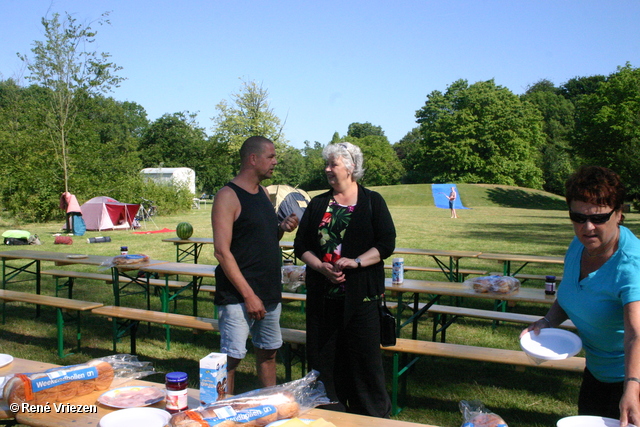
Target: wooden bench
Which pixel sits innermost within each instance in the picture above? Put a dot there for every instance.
(58, 303)
(294, 339)
(462, 272)
(71, 275)
(458, 351)
(441, 321)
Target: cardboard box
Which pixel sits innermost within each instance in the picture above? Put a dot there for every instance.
(213, 377)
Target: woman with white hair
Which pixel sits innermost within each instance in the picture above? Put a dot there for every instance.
(343, 237)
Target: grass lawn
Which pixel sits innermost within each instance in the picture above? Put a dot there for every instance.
(500, 219)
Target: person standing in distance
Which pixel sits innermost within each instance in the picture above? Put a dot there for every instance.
(452, 200)
(246, 233)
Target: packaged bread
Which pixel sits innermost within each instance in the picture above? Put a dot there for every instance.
(475, 414)
(493, 284)
(59, 385)
(130, 259)
(259, 407)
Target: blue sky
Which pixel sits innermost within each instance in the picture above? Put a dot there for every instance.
(329, 63)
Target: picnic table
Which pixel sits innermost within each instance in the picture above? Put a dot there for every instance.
(189, 249)
(451, 268)
(508, 259)
(92, 419)
(436, 290)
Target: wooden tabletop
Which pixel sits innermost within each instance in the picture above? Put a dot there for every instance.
(177, 268)
(192, 240)
(460, 290)
(92, 419)
(522, 258)
(437, 252)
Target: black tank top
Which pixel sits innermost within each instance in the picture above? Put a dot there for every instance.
(255, 247)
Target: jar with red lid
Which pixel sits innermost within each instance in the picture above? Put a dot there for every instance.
(176, 384)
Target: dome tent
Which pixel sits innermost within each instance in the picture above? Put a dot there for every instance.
(287, 200)
(105, 213)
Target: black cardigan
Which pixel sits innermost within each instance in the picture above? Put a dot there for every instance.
(371, 225)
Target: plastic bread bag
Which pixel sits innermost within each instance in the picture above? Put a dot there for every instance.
(475, 414)
(258, 407)
(58, 385)
(293, 277)
(493, 284)
(124, 260)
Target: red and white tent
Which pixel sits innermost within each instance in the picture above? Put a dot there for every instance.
(105, 213)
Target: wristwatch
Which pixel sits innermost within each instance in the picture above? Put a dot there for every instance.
(357, 260)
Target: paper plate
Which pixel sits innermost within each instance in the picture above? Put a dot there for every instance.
(277, 423)
(136, 417)
(79, 256)
(131, 397)
(551, 344)
(588, 421)
(5, 359)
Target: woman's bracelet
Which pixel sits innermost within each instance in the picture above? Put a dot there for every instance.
(548, 321)
(633, 379)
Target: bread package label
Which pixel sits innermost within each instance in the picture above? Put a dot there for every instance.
(213, 378)
(62, 376)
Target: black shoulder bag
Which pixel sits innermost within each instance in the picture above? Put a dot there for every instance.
(387, 325)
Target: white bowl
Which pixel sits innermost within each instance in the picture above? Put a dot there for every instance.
(551, 344)
(588, 421)
(136, 417)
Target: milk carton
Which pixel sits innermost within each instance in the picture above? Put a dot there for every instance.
(213, 378)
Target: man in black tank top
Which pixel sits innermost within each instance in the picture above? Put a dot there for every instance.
(248, 279)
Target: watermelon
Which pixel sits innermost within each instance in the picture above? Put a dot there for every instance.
(184, 230)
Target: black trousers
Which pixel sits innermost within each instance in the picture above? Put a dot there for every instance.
(598, 398)
(348, 356)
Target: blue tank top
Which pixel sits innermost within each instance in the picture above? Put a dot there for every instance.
(255, 247)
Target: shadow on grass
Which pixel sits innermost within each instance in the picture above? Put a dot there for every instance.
(515, 198)
(544, 234)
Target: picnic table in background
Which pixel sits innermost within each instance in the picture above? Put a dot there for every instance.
(508, 259)
(436, 290)
(451, 268)
(189, 249)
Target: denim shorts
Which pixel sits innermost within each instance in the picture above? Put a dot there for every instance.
(235, 327)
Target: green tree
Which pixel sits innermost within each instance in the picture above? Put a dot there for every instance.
(556, 161)
(480, 133)
(408, 152)
(360, 130)
(173, 140)
(248, 114)
(315, 177)
(577, 87)
(62, 64)
(608, 126)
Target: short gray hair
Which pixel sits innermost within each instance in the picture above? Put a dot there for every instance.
(351, 156)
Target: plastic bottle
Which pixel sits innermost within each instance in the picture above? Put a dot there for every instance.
(397, 271)
(550, 285)
(176, 384)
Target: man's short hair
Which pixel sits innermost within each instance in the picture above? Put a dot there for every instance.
(253, 145)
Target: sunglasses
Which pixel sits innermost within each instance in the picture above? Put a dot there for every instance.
(593, 219)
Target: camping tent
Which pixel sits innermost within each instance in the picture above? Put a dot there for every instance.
(287, 200)
(105, 213)
(170, 176)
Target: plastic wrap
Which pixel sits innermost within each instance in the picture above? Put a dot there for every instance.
(258, 407)
(58, 385)
(293, 277)
(125, 260)
(475, 414)
(493, 284)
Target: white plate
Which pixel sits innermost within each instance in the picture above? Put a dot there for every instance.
(131, 397)
(551, 344)
(588, 421)
(79, 256)
(277, 423)
(136, 417)
(5, 359)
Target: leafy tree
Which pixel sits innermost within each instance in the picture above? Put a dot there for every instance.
(408, 152)
(249, 114)
(291, 169)
(577, 87)
(480, 133)
(173, 140)
(62, 64)
(360, 130)
(556, 162)
(315, 178)
(608, 126)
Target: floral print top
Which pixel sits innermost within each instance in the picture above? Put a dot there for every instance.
(331, 233)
